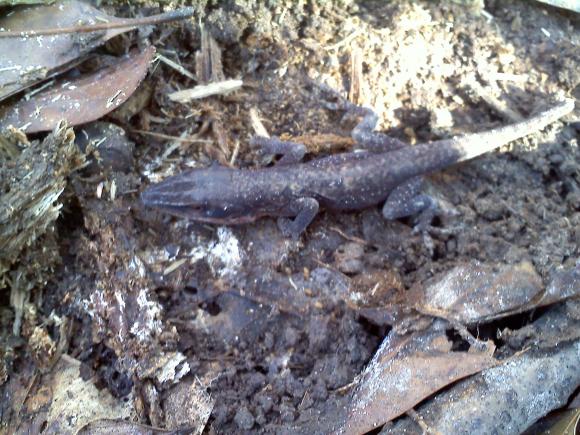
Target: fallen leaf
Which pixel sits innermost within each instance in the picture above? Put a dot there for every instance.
(30, 59)
(83, 100)
(510, 397)
(405, 370)
(564, 283)
(565, 4)
(62, 402)
(476, 292)
(110, 426)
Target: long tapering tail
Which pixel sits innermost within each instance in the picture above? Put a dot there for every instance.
(475, 144)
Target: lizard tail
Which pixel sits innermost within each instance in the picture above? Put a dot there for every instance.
(472, 145)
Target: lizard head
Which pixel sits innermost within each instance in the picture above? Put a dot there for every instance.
(205, 195)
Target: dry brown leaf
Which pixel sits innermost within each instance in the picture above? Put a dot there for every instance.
(476, 292)
(31, 59)
(511, 396)
(83, 100)
(404, 371)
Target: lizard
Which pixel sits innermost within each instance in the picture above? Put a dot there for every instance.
(386, 169)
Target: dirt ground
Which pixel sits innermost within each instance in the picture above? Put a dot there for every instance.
(275, 332)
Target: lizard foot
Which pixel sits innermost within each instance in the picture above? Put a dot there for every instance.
(363, 133)
(305, 209)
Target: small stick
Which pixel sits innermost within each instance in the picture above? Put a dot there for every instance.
(235, 153)
(203, 91)
(169, 137)
(354, 94)
(179, 14)
(351, 238)
(256, 123)
(175, 66)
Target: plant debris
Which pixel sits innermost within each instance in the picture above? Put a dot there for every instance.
(83, 99)
(479, 293)
(203, 91)
(60, 401)
(31, 187)
(27, 60)
(508, 397)
(405, 370)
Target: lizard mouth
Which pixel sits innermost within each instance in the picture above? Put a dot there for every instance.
(202, 213)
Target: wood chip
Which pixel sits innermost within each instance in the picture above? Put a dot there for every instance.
(204, 91)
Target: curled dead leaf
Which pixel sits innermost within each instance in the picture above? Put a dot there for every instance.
(476, 292)
(405, 370)
(83, 100)
(511, 396)
(30, 59)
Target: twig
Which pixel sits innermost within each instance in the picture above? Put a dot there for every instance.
(179, 14)
(174, 266)
(354, 94)
(235, 153)
(203, 91)
(496, 104)
(256, 123)
(175, 66)
(168, 137)
(413, 415)
(347, 237)
(346, 40)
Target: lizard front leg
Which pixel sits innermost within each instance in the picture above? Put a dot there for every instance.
(304, 209)
(407, 199)
(292, 152)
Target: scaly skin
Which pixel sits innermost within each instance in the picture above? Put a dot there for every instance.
(349, 181)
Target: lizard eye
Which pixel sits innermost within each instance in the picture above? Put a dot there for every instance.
(216, 212)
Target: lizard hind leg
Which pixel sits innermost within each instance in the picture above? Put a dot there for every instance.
(407, 199)
(305, 210)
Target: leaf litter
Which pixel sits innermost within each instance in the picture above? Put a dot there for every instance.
(405, 370)
(408, 368)
(27, 60)
(509, 397)
(81, 100)
(35, 47)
